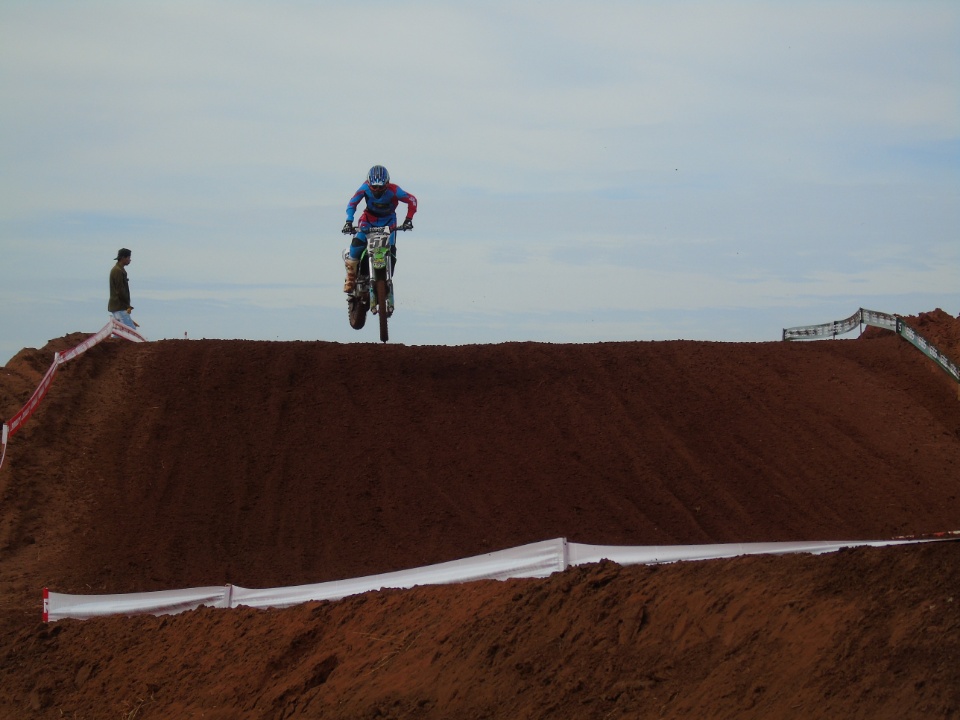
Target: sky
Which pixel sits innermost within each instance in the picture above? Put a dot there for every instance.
(586, 172)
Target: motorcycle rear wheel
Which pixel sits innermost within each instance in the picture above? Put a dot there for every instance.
(356, 312)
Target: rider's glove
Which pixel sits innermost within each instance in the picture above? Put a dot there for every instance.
(407, 224)
(348, 228)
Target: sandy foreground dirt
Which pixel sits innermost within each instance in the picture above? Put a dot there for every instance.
(176, 464)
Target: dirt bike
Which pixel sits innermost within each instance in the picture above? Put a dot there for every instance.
(373, 290)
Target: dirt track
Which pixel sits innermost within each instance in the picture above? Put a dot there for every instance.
(184, 463)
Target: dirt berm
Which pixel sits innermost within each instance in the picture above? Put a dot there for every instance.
(176, 464)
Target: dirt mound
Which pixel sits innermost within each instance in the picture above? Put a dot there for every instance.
(184, 463)
(937, 326)
(23, 373)
(940, 329)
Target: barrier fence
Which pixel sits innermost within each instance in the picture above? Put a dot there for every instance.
(535, 560)
(839, 327)
(877, 319)
(114, 327)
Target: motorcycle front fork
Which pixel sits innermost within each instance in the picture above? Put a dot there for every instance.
(373, 298)
(373, 291)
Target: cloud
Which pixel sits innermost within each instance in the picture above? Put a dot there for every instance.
(608, 159)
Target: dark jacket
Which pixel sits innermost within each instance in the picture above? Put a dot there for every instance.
(119, 289)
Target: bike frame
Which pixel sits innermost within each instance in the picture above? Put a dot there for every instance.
(374, 288)
(378, 259)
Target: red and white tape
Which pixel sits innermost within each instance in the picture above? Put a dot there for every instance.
(114, 327)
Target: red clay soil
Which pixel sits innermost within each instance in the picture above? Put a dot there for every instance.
(176, 464)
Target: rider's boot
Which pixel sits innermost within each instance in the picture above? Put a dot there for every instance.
(351, 266)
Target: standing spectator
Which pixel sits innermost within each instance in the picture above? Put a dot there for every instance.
(119, 304)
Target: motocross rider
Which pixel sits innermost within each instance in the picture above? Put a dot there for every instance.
(382, 198)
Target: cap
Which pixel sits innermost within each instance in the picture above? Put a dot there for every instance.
(122, 253)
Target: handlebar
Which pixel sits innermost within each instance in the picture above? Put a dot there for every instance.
(378, 229)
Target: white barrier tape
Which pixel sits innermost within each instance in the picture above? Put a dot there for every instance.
(582, 554)
(126, 332)
(27, 410)
(88, 343)
(527, 561)
(3, 442)
(163, 602)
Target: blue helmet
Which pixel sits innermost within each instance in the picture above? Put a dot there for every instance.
(378, 175)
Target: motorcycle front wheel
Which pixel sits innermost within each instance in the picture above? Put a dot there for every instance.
(382, 308)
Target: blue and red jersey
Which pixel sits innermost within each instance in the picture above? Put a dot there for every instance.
(381, 210)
